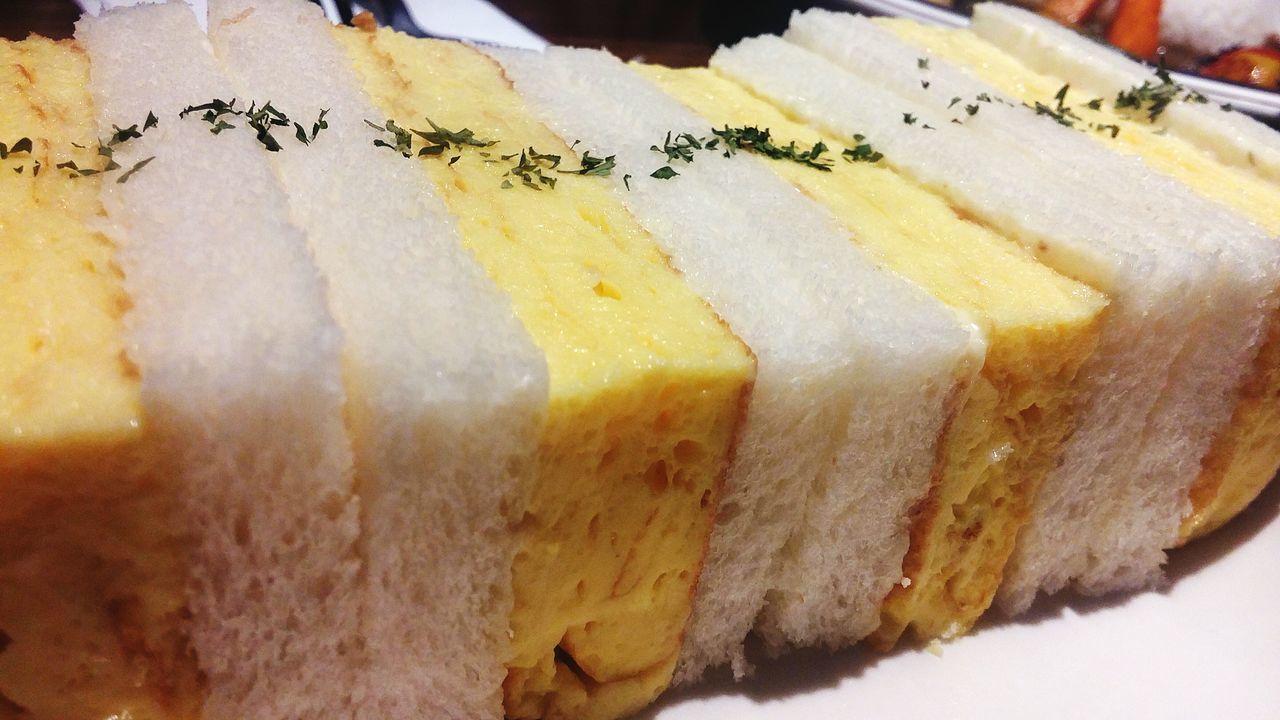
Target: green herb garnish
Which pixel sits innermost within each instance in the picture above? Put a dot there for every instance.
(124, 177)
(1155, 98)
(122, 135)
(753, 139)
(663, 173)
(107, 152)
(681, 147)
(105, 149)
(263, 119)
(1113, 129)
(437, 139)
(74, 170)
(529, 168)
(447, 138)
(319, 124)
(1060, 117)
(861, 151)
(401, 140)
(1059, 111)
(213, 112)
(1151, 97)
(599, 167)
(23, 145)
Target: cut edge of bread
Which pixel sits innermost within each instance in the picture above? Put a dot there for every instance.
(446, 389)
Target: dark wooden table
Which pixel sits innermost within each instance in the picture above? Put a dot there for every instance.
(53, 18)
(672, 32)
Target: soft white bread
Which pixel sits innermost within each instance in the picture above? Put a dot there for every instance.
(241, 380)
(1103, 517)
(446, 389)
(1198, 399)
(1043, 45)
(857, 369)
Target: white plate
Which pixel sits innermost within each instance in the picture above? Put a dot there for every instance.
(1255, 101)
(1205, 647)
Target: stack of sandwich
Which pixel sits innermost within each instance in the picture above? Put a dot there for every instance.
(352, 375)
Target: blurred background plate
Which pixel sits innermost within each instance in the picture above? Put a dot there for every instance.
(476, 20)
(1261, 103)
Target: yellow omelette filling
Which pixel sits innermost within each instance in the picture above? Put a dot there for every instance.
(647, 388)
(91, 588)
(1246, 454)
(1040, 327)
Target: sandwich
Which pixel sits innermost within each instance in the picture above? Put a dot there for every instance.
(1214, 262)
(1236, 195)
(1022, 405)
(647, 393)
(350, 374)
(447, 389)
(1220, 154)
(836, 547)
(218, 457)
(258, 605)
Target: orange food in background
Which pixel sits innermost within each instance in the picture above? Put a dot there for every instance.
(1258, 66)
(1136, 27)
(1070, 12)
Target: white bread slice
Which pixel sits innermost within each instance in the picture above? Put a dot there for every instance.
(446, 389)
(1202, 390)
(857, 369)
(241, 379)
(1235, 138)
(1104, 517)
